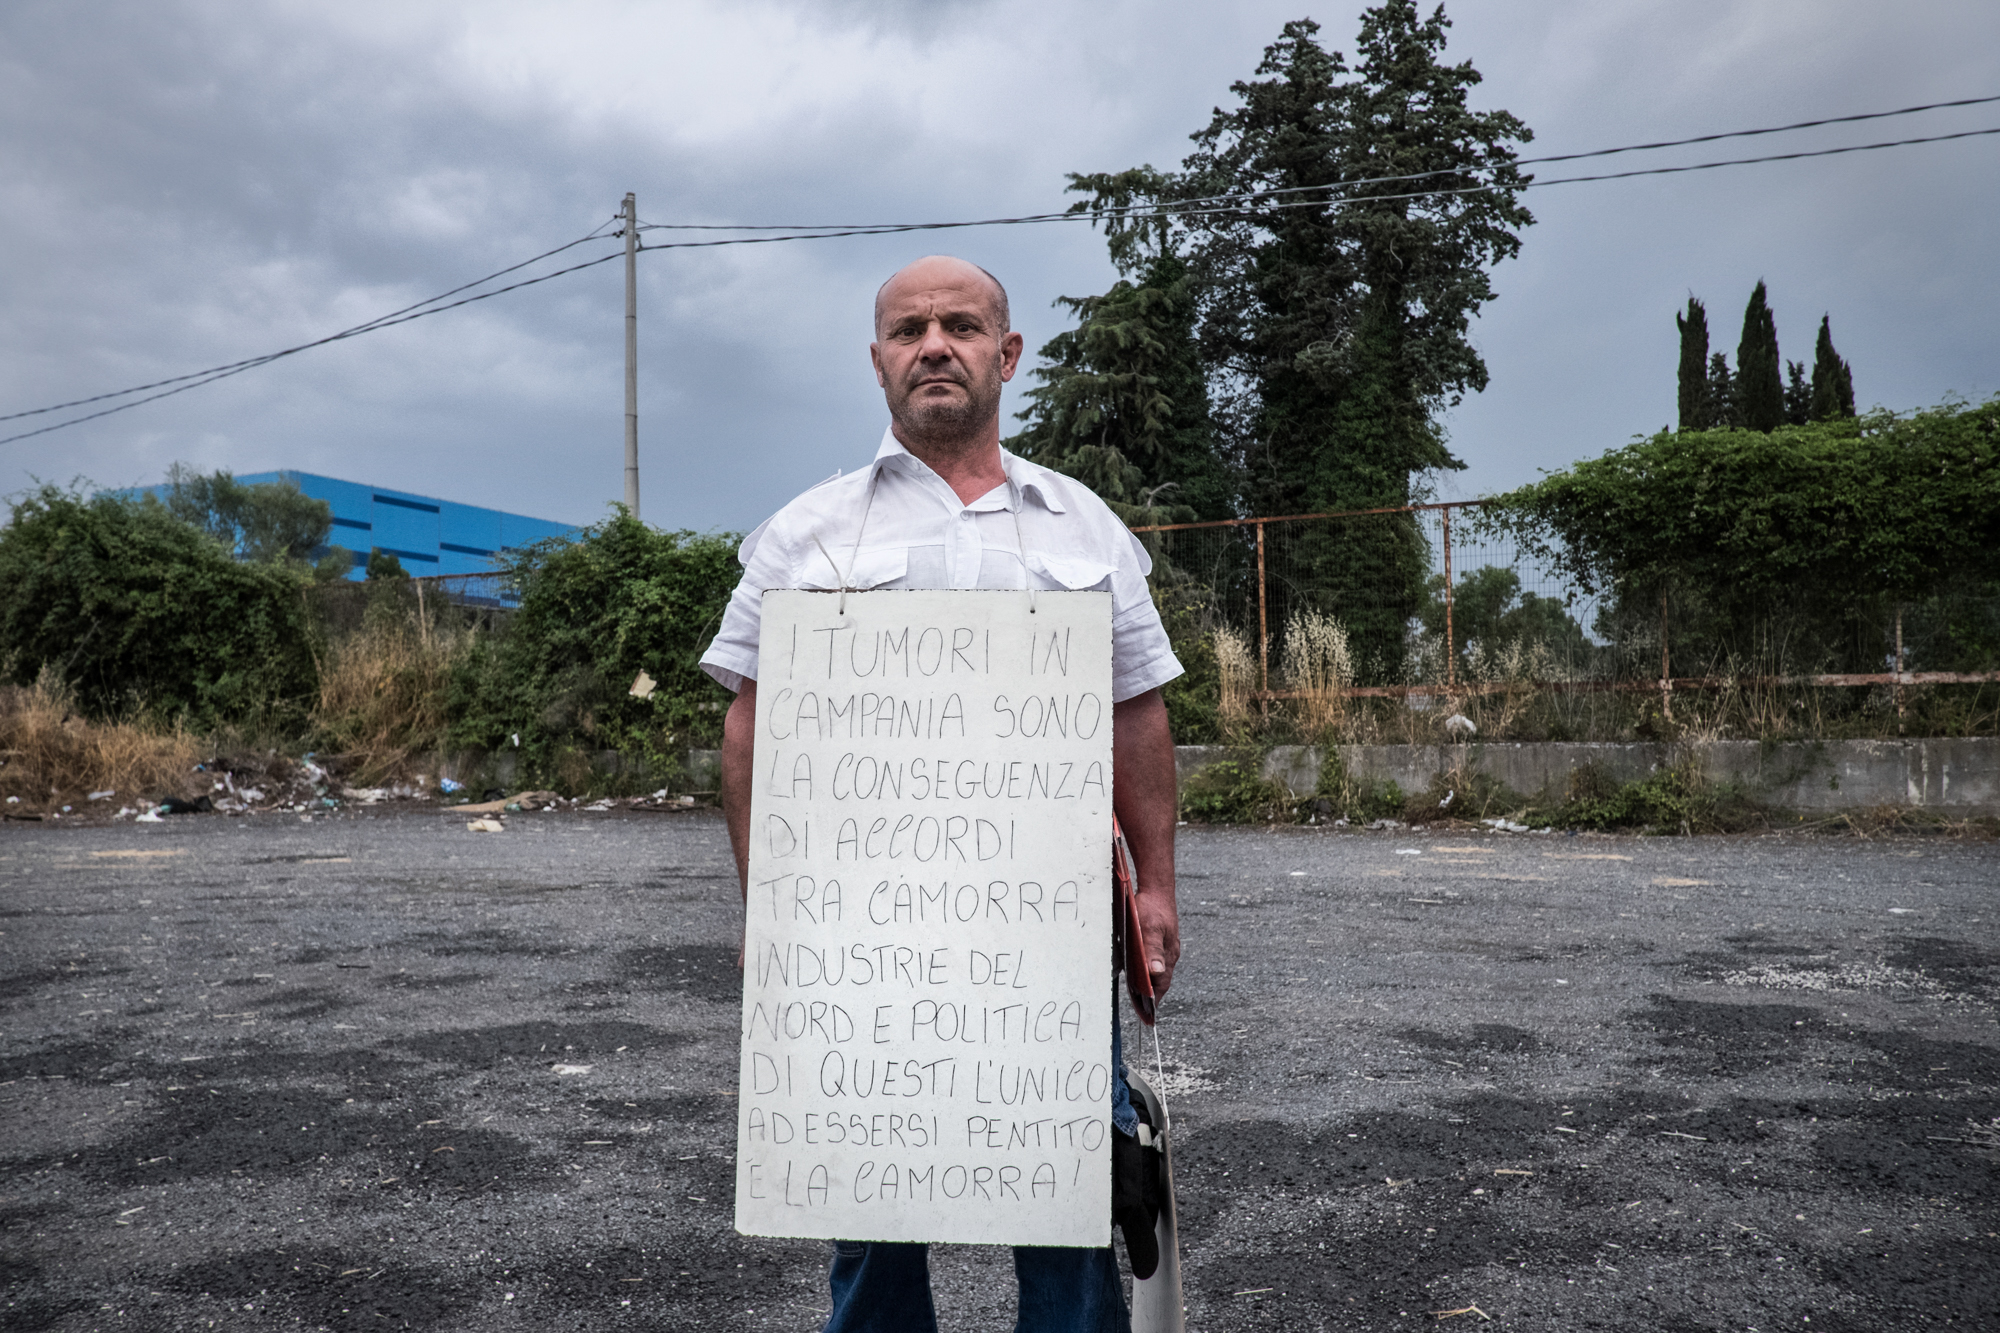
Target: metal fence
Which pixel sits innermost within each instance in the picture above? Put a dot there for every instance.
(1433, 602)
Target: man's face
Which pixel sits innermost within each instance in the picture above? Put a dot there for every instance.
(941, 354)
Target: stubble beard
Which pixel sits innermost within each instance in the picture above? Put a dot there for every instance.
(948, 426)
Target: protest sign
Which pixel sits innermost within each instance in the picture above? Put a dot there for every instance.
(927, 988)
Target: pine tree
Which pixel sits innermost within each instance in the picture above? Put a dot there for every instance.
(1832, 378)
(1123, 404)
(1694, 366)
(1338, 317)
(1760, 388)
(1798, 395)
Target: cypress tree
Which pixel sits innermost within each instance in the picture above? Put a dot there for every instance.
(1760, 388)
(1721, 395)
(1798, 395)
(1694, 366)
(1832, 378)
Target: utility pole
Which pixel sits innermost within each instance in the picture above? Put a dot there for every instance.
(632, 354)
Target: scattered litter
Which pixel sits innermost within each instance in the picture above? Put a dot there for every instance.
(13, 800)
(1298, 874)
(1676, 1134)
(148, 816)
(1253, 1291)
(1505, 825)
(447, 786)
(174, 805)
(1445, 804)
(104, 795)
(1459, 723)
(516, 738)
(124, 812)
(1466, 1309)
(367, 795)
(1509, 1171)
(1341, 822)
(1894, 911)
(484, 826)
(1408, 851)
(1384, 824)
(643, 685)
(571, 1069)
(604, 804)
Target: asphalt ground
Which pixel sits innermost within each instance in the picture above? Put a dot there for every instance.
(261, 1073)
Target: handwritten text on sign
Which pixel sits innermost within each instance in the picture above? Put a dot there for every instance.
(926, 990)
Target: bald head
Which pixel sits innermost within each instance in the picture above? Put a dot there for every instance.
(937, 272)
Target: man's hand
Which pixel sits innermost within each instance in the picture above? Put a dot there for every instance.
(1147, 803)
(739, 729)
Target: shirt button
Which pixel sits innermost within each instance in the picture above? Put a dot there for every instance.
(965, 513)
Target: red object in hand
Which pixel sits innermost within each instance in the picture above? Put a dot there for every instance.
(1132, 954)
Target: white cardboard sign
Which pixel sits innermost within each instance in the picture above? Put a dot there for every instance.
(926, 985)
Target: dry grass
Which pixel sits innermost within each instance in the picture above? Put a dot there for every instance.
(51, 756)
(1239, 678)
(1317, 666)
(381, 707)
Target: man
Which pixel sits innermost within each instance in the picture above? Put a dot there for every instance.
(943, 506)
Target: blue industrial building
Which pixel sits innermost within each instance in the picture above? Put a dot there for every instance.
(428, 535)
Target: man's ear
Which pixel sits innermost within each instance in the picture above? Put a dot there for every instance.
(875, 359)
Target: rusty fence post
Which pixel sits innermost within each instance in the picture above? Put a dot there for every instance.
(1263, 626)
(1666, 677)
(1899, 668)
(1450, 644)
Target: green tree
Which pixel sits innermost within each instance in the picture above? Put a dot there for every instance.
(1491, 612)
(264, 521)
(1832, 378)
(1722, 405)
(384, 565)
(137, 609)
(1810, 522)
(596, 608)
(1760, 387)
(1693, 326)
(1335, 302)
(1798, 395)
(1122, 403)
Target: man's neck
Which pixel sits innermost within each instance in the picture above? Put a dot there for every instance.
(970, 471)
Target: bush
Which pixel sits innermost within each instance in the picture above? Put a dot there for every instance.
(134, 609)
(1679, 799)
(54, 757)
(1235, 791)
(597, 609)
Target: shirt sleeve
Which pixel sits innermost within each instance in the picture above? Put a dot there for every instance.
(732, 658)
(1142, 658)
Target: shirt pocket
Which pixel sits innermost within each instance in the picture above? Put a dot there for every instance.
(872, 569)
(1070, 572)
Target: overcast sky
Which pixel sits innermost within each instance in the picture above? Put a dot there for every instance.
(184, 184)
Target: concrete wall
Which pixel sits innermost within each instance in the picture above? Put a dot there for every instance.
(1961, 776)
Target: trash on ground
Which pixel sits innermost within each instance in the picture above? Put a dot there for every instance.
(1381, 824)
(1408, 851)
(148, 816)
(1505, 825)
(447, 786)
(485, 826)
(1459, 723)
(174, 805)
(104, 795)
(643, 685)
(572, 1069)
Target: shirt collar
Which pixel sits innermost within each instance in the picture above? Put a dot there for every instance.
(1030, 478)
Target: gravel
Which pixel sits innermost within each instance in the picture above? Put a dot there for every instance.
(375, 1071)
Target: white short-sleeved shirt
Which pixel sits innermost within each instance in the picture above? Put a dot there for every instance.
(920, 535)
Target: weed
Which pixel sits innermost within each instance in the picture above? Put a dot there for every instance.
(51, 755)
(1235, 791)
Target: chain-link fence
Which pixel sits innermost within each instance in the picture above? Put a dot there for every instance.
(1429, 605)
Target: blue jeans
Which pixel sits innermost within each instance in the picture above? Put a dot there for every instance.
(881, 1287)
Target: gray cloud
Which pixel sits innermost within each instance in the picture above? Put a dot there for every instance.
(185, 184)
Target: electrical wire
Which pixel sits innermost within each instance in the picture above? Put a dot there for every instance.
(404, 316)
(378, 322)
(1178, 210)
(863, 227)
(1238, 204)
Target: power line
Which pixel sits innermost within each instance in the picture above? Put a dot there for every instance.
(1180, 210)
(272, 356)
(404, 316)
(862, 228)
(1229, 204)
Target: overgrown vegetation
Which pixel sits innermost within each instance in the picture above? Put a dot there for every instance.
(596, 610)
(140, 613)
(52, 755)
